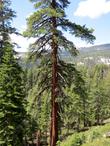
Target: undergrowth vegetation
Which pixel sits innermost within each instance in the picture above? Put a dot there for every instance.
(93, 137)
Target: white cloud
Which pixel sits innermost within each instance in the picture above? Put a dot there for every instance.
(93, 8)
(22, 42)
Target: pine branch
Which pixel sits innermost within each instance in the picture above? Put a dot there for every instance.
(79, 31)
(42, 24)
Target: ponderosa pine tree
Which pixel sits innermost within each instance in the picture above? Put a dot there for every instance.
(46, 25)
(12, 91)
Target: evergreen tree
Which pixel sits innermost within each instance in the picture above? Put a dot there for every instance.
(46, 25)
(6, 16)
(12, 91)
(99, 96)
(12, 95)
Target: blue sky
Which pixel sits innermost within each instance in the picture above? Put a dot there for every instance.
(94, 13)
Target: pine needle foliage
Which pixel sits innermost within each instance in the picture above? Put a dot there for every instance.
(12, 91)
(47, 25)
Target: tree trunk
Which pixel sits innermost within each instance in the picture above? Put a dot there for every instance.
(54, 93)
(78, 124)
(84, 113)
(38, 136)
(97, 116)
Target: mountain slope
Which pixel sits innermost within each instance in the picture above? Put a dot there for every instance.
(103, 47)
(94, 55)
(93, 137)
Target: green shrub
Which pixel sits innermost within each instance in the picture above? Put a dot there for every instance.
(77, 141)
(95, 135)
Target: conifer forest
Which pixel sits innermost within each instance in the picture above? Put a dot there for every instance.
(47, 99)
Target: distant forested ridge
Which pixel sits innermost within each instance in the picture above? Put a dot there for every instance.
(95, 55)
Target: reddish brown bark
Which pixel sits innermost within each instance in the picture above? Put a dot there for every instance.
(54, 94)
(54, 103)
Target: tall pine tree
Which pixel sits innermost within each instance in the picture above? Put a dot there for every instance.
(12, 92)
(46, 25)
